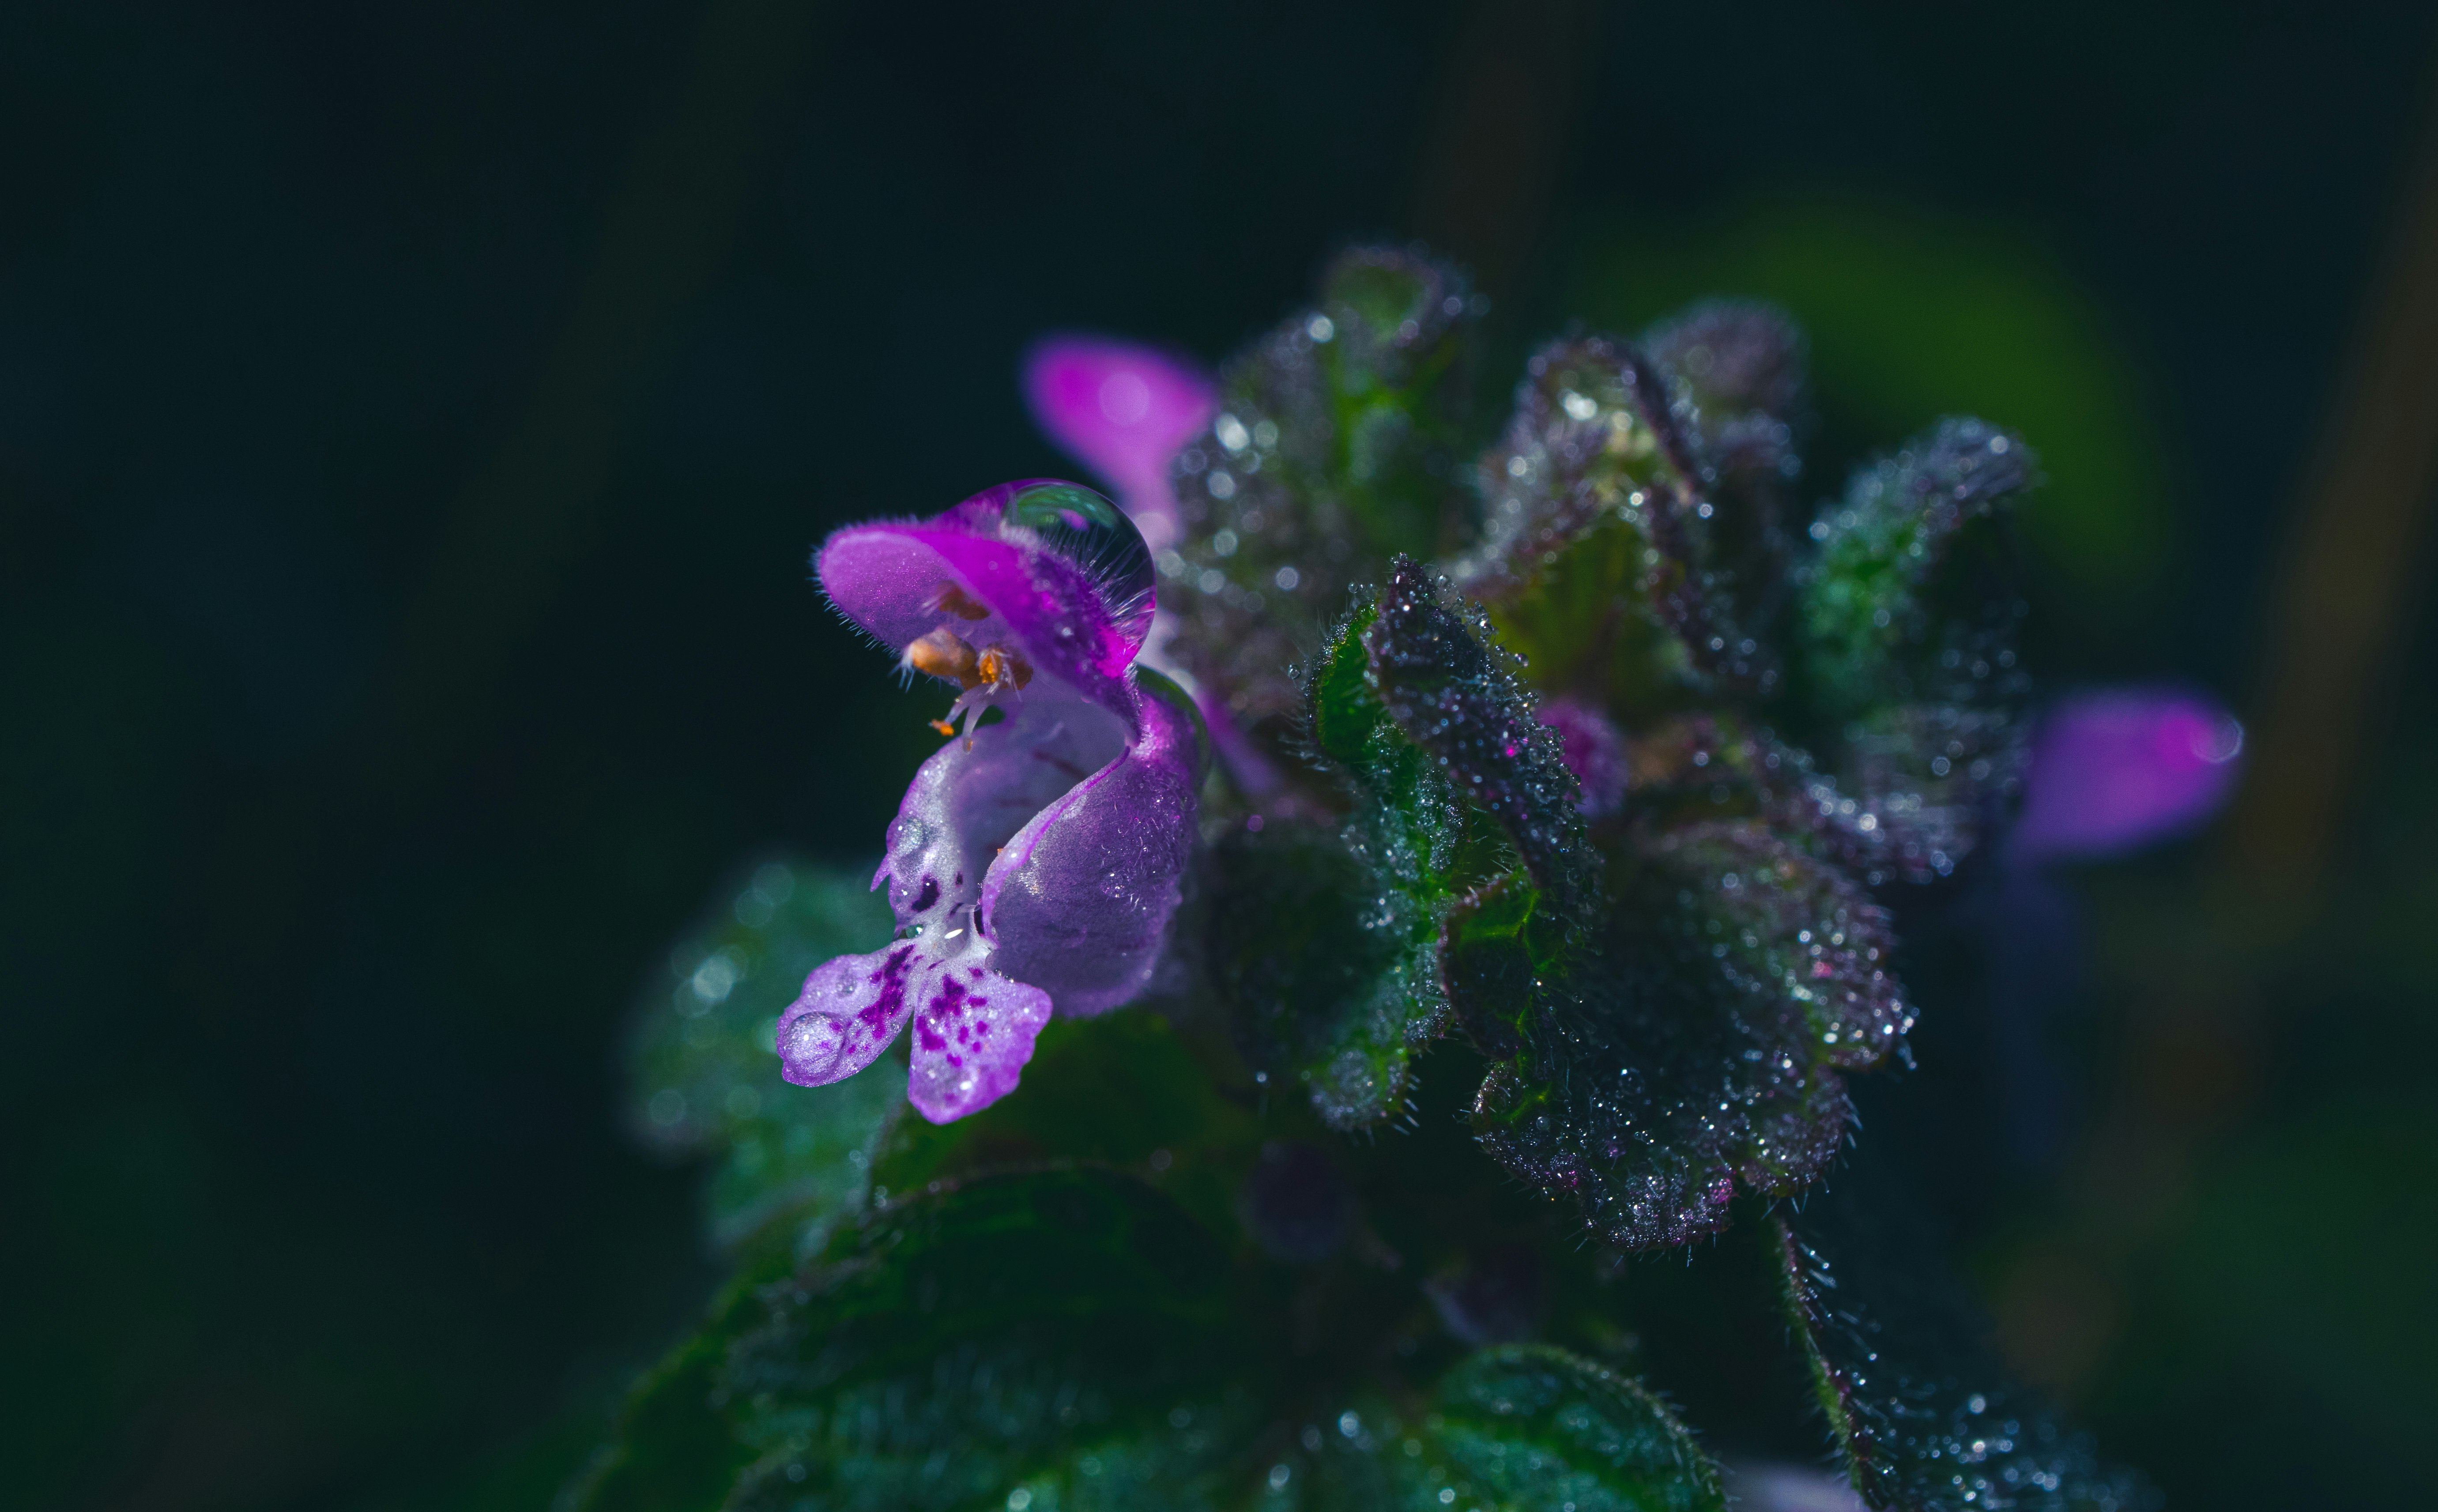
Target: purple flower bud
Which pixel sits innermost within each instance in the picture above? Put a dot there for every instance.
(1035, 861)
(2115, 769)
(1122, 411)
(1593, 750)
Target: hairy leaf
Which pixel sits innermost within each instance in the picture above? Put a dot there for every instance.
(937, 1358)
(1912, 597)
(1338, 972)
(1449, 690)
(1594, 555)
(1332, 974)
(1698, 1048)
(1332, 451)
(792, 1160)
(1735, 377)
(1325, 942)
(1910, 617)
(1925, 1416)
(1526, 1426)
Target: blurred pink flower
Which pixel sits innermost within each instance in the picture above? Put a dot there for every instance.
(1122, 409)
(2114, 770)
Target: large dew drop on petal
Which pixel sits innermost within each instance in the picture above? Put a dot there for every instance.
(1097, 537)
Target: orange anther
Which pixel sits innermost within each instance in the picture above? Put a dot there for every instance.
(950, 599)
(943, 654)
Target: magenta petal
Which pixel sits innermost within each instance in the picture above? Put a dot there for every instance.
(1122, 409)
(972, 1036)
(2117, 769)
(850, 1009)
(1074, 594)
(1080, 901)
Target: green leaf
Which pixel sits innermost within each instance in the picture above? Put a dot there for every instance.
(1122, 1090)
(1511, 1429)
(1699, 1046)
(1922, 1409)
(1528, 1427)
(792, 1160)
(1595, 551)
(1913, 596)
(1331, 975)
(1909, 618)
(953, 1347)
(1329, 945)
(1333, 449)
(1451, 691)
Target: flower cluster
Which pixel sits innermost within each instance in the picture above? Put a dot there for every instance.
(1579, 737)
(1747, 723)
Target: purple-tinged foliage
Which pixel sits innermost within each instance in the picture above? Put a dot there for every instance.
(1622, 803)
(1445, 683)
(1036, 860)
(1699, 1047)
(1329, 454)
(1595, 551)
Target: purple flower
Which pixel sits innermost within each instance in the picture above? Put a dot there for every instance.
(1122, 409)
(2114, 770)
(1037, 859)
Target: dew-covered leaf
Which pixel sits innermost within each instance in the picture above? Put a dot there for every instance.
(791, 1161)
(1920, 1406)
(949, 1351)
(1451, 691)
(1697, 1046)
(1736, 377)
(1913, 596)
(1595, 550)
(1331, 975)
(1909, 616)
(1328, 944)
(1935, 778)
(1332, 449)
(1324, 942)
(1528, 1427)
(1922, 784)
(1121, 1089)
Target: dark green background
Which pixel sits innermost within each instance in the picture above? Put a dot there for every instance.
(404, 621)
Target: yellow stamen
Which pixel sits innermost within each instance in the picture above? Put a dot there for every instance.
(943, 727)
(1001, 668)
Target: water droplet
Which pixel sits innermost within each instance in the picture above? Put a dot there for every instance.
(1094, 534)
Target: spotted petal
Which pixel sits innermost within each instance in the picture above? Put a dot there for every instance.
(973, 1028)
